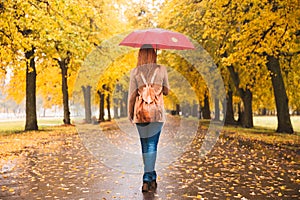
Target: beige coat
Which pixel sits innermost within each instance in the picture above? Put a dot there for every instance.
(161, 86)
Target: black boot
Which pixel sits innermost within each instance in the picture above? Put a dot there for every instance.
(146, 186)
(153, 185)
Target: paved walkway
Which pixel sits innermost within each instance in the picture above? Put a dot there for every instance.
(82, 168)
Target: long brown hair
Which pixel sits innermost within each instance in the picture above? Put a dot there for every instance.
(146, 56)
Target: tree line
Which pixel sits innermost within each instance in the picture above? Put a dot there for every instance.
(255, 46)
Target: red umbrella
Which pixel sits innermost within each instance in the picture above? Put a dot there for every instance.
(158, 39)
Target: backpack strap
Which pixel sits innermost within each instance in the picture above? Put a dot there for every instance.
(152, 79)
(144, 80)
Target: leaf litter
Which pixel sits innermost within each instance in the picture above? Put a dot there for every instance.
(54, 164)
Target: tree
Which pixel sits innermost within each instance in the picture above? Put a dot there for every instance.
(206, 108)
(245, 118)
(63, 64)
(61, 36)
(31, 118)
(101, 106)
(68, 42)
(241, 35)
(108, 107)
(185, 81)
(266, 32)
(283, 115)
(87, 103)
(229, 116)
(21, 36)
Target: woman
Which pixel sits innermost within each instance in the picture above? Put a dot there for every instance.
(148, 72)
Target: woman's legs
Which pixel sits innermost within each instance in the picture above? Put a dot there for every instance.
(149, 136)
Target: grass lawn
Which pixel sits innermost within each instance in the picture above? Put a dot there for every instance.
(271, 122)
(18, 125)
(268, 122)
(264, 129)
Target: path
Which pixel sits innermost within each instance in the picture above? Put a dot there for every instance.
(232, 170)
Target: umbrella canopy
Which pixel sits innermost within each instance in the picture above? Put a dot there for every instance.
(157, 38)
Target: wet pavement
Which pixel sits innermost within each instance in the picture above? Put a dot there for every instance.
(78, 166)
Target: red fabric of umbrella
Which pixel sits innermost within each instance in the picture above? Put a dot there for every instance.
(158, 38)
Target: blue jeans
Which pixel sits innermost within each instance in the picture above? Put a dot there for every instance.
(149, 136)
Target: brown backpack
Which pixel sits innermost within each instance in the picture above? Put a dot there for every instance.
(148, 108)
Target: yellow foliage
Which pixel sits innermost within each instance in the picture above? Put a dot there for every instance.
(53, 32)
(240, 34)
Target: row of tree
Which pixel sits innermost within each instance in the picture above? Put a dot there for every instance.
(48, 39)
(255, 45)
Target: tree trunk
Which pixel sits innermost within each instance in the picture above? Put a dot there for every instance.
(108, 107)
(116, 108)
(229, 117)
(281, 99)
(101, 106)
(123, 104)
(178, 109)
(31, 117)
(217, 110)
(63, 64)
(240, 113)
(246, 115)
(264, 111)
(87, 103)
(206, 109)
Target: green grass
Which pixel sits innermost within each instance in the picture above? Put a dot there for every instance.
(17, 126)
(264, 129)
(11, 127)
(271, 122)
(265, 135)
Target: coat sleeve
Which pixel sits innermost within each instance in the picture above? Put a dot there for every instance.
(132, 93)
